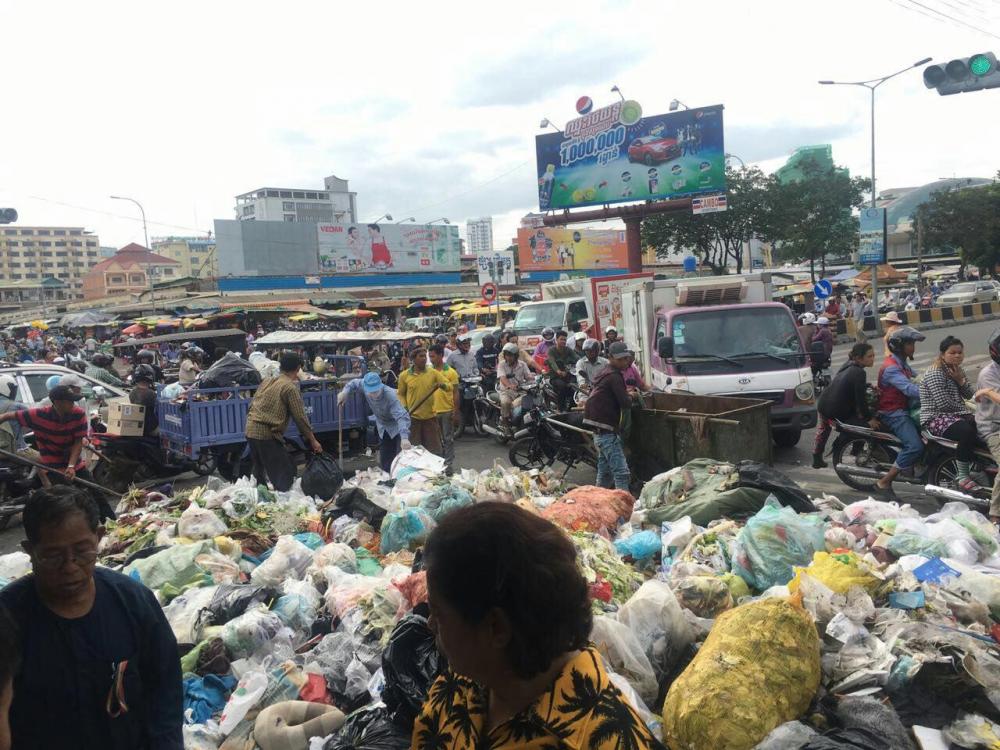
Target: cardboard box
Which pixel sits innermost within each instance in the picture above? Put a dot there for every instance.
(125, 418)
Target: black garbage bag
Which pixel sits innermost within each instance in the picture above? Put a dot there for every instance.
(233, 599)
(865, 724)
(322, 477)
(354, 502)
(763, 477)
(410, 664)
(369, 729)
(231, 370)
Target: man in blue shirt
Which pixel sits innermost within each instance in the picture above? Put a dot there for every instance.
(391, 418)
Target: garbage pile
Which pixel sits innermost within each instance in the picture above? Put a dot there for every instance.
(752, 619)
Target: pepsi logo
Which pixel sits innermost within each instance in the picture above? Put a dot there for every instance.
(584, 104)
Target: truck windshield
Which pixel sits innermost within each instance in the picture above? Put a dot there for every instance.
(533, 318)
(744, 339)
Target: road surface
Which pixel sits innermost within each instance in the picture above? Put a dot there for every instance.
(480, 453)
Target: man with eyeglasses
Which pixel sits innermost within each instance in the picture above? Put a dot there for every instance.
(98, 660)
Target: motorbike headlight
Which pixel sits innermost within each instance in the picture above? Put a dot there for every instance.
(805, 392)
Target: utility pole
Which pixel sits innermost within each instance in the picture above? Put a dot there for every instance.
(920, 247)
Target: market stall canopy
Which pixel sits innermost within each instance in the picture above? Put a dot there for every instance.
(215, 333)
(886, 273)
(300, 338)
(940, 273)
(134, 328)
(846, 275)
(84, 319)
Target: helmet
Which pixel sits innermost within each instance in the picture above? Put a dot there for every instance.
(489, 340)
(822, 320)
(442, 339)
(320, 365)
(580, 336)
(102, 360)
(994, 342)
(548, 334)
(807, 319)
(143, 372)
(52, 382)
(591, 344)
(196, 351)
(902, 336)
(8, 387)
(78, 364)
(146, 356)
(512, 349)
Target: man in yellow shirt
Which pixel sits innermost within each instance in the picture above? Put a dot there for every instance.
(416, 392)
(446, 406)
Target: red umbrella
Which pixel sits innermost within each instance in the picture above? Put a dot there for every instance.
(134, 328)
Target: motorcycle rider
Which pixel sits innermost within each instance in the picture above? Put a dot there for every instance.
(523, 355)
(561, 361)
(12, 433)
(190, 366)
(897, 395)
(512, 373)
(590, 364)
(144, 394)
(824, 335)
(807, 330)
(845, 400)
(486, 360)
(100, 369)
(579, 338)
(148, 357)
(610, 337)
(987, 398)
(542, 347)
(462, 359)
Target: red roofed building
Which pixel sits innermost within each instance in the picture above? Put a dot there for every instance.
(128, 272)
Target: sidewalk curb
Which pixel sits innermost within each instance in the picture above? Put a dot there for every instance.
(843, 338)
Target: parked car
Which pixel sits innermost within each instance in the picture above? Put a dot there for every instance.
(31, 389)
(968, 292)
(652, 150)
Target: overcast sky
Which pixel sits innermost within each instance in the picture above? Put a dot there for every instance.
(430, 109)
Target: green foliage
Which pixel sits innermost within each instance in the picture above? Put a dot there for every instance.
(966, 220)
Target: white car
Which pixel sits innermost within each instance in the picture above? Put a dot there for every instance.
(968, 292)
(31, 389)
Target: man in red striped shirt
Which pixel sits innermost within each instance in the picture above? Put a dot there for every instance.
(59, 432)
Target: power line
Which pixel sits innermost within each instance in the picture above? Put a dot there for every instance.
(117, 216)
(954, 20)
(466, 192)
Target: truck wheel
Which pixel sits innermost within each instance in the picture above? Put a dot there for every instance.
(787, 438)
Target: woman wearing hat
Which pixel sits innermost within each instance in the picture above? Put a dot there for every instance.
(890, 322)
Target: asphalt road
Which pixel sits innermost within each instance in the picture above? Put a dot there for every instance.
(481, 452)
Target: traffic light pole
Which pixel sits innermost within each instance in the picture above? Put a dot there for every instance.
(885, 249)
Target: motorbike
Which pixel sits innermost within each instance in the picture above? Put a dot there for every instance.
(471, 395)
(16, 482)
(820, 367)
(863, 456)
(490, 409)
(546, 438)
(124, 461)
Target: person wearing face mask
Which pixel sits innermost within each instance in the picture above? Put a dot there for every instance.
(392, 421)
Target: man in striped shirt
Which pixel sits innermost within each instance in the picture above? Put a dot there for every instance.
(59, 429)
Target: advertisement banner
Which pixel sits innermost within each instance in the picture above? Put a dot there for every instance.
(560, 249)
(871, 250)
(496, 266)
(388, 248)
(614, 155)
(606, 292)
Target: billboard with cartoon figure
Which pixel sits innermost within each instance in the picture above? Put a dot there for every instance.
(615, 155)
(387, 248)
(560, 249)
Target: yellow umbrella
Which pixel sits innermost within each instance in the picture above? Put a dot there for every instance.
(41, 325)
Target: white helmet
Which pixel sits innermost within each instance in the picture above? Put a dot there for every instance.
(580, 336)
(8, 387)
(807, 318)
(822, 320)
(510, 349)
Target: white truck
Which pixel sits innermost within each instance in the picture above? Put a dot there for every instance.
(722, 336)
(565, 305)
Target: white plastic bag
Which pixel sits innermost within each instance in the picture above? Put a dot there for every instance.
(655, 617)
(335, 554)
(245, 634)
(416, 458)
(298, 604)
(624, 654)
(200, 523)
(14, 565)
(289, 560)
(184, 613)
(249, 690)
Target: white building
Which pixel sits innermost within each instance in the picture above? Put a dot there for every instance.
(333, 204)
(479, 233)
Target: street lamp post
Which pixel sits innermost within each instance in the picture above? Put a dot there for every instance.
(412, 218)
(388, 217)
(145, 234)
(674, 104)
(871, 85)
(616, 90)
(442, 219)
(743, 164)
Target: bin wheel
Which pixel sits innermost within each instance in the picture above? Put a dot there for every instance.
(787, 438)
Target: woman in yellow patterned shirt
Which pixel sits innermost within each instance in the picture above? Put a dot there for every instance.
(511, 611)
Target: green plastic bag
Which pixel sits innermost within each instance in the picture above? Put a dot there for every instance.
(773, 542)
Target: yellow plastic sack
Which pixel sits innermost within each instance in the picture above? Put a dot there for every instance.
(838, 572)
(758, 668)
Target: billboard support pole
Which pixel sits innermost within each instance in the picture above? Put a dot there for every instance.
(633, 242)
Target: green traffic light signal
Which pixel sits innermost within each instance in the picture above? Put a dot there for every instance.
(980, 65)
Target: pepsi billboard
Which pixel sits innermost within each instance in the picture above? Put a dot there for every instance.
(615, 155)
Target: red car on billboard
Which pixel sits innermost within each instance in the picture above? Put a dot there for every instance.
(651, 149)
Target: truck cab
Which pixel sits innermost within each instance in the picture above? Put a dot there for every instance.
(723, 336)
(564, 305)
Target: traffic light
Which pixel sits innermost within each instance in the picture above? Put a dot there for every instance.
(965, 74)
(8, 215)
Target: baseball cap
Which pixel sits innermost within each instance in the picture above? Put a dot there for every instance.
(618, 350)
(64, 393)
(72, 380)
(371, 382)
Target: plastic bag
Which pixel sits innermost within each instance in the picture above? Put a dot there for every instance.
(251, 630)
(590, 508)
(706, 596)
(643, 545)
(906, 543)
(973, 731)
(623, 652)
(410, 663)
(289, 560)
(218, 567)
(186, 613)
(406, 529)
(248, 691)
(653, 722)
(413, 587)
(758, 668)
(230, 370)
(773, 542)
(347, 661)
(674, 537)
(444, 500)
(337, 554)
(654, 616)
(14, 565)
(358, 504)
(837, 572)
(200, 523)
(175, 565)
(345, 590)
(416, 458)
(789, 736)
(322, 477)
(232, 600)
(298, 604)
(369, 729)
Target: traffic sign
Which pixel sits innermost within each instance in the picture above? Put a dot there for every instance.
(489, 292)
(823, 289)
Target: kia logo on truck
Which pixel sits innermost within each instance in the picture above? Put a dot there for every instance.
(745, 380)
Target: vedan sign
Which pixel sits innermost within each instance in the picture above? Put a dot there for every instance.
(496, 266)
(559, 249)
(871, 249)
(388, 248)
(614, 155)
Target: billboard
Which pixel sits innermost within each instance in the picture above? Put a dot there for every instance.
(496, 266)
(614, 155)
(561, 249)
(871, 250)
(387, 248)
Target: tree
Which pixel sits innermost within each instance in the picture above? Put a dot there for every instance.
(811, 218)
(966, 220)
(717, 238)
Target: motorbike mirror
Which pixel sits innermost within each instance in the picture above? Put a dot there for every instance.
(99, 392)
(665, 347)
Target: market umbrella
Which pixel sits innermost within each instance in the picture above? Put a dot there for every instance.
(134, 328)
(41, 325)
(365, 313)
